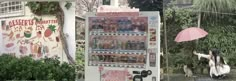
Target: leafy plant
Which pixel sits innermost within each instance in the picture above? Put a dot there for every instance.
(176, 20)
(220, 6)
(40, 8)
(80, 58)
(68, 5)
(26, 68)
(80, 61)
(148, 5)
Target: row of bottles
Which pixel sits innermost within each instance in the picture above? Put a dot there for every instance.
(118, 58)
(116, 44)
(119, 26)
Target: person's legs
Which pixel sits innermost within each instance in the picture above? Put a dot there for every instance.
(223, 71)
(222, 77)
(218, 77)
(214, 76)
(213, 73)
(208, 69)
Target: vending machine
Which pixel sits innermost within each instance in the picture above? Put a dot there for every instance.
(122, 46)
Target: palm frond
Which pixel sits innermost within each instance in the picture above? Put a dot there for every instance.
(225, 6)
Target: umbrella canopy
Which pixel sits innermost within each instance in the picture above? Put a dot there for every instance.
(190, 34)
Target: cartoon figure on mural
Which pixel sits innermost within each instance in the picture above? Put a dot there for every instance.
(10, 47)
(38, 35)
(39, 50)
(12, 36)
(47, 33)
(23, 46)
(28, 32)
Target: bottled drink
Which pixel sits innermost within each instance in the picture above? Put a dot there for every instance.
(129, 21)
(112, 27)
(116, 44)
(152, 59)
(119, 25)
(142, 45)
(102, 43)
(112, 44)
(128, 45)
(106, 58)
(119, 45)
(103, 58)
(123, 45)
(142, 59)
(96, 58)
(99, 44)
(142, 27)
(105, 44)
(112, 58)
(94, 43)
(125, 60)
(133, 45)
(92, 58)
(129, 59)
(115, 28)
(105, 28)
(100, 58)
(137, 45)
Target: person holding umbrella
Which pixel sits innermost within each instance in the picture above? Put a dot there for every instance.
(218, 67)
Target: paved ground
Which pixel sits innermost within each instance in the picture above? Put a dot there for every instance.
(181, 77)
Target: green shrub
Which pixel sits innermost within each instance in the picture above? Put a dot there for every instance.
(26, 68)
(80, 62)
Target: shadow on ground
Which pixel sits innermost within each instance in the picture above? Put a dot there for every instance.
(181, 77)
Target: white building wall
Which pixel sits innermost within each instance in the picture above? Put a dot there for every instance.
(1, 45)
(115, 3)
(69, 27)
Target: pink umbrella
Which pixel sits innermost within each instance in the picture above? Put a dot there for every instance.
(190, 34)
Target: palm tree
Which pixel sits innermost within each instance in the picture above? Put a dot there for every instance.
(225, 6)
(217, 7)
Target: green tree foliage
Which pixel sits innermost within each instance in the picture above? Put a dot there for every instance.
(80, 58)
(26, 68)
(147, 5)
(176, 20)
(223, 38)
(41, 8)
(80, 61)
(179, 53)
(215, 5)
(46, 8)
(216, 11)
